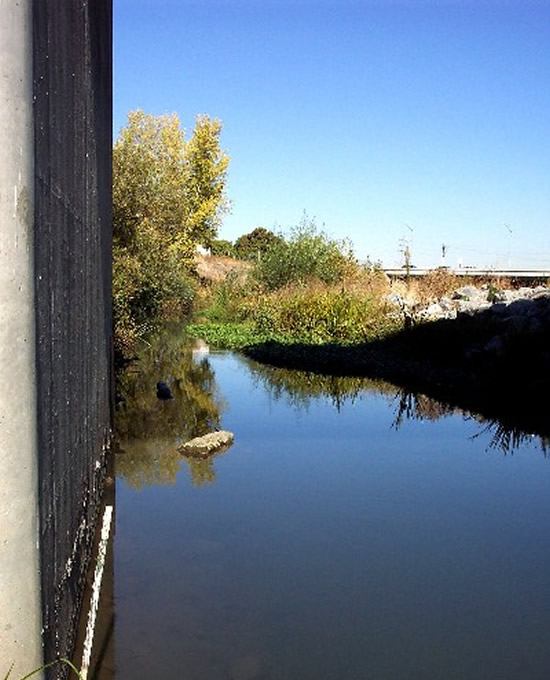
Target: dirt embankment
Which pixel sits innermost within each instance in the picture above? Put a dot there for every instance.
(214, 268)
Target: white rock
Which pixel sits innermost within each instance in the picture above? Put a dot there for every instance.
(207, 444)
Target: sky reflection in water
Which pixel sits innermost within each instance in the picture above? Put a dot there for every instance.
(334, 540)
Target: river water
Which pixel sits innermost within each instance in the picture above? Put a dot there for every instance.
(352, 531)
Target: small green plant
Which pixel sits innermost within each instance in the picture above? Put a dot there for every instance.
(44, 667)
(493, 293)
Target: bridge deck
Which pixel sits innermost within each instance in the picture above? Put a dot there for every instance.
(528, 274)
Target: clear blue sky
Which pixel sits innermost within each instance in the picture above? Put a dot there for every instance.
(384, 120)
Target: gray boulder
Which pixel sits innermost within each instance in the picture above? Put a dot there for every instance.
(210, 443)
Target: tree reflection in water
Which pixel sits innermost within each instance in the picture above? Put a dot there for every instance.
(505, 437)
(412, 406)
(148, 429)
(300, 388)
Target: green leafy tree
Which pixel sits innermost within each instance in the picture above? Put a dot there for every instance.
(222, 247)
(258, 241)
(168, 197)
(177, 186)
(206, 168)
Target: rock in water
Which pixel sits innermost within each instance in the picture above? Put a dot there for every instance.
(212, 442)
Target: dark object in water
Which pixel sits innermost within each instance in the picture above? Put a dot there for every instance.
(164, 392)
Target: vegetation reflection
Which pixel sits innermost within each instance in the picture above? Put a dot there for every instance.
(149, 429)
(504, 437)
(300, 388)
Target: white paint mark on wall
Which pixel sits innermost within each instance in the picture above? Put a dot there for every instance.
(96, 590)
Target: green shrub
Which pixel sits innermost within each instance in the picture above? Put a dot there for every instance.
(322, 316)
(307, 255)
(231, 335)
(147, 279)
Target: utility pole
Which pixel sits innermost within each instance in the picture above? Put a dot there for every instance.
(407, 252)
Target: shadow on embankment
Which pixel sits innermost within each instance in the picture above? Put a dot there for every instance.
(489, 362)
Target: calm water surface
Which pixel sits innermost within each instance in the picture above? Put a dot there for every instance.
(349, 533)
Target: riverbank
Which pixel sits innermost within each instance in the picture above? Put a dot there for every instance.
(480, 362)
(482, 348)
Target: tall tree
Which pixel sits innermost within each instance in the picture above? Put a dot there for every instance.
(206, 170)
(168, 197)
(177, 186)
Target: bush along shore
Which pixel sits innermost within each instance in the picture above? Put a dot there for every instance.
(484, 348)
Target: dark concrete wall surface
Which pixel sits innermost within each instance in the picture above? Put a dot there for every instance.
(72, 64)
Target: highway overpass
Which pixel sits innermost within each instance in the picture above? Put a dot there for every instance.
(514, 274)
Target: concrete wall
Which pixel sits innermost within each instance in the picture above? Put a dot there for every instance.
(55, 283)
(20, 618)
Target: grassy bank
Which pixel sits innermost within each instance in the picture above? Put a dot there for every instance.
(312, 314)
(309, 289)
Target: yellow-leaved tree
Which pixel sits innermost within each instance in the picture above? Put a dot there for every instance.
(168, 197)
